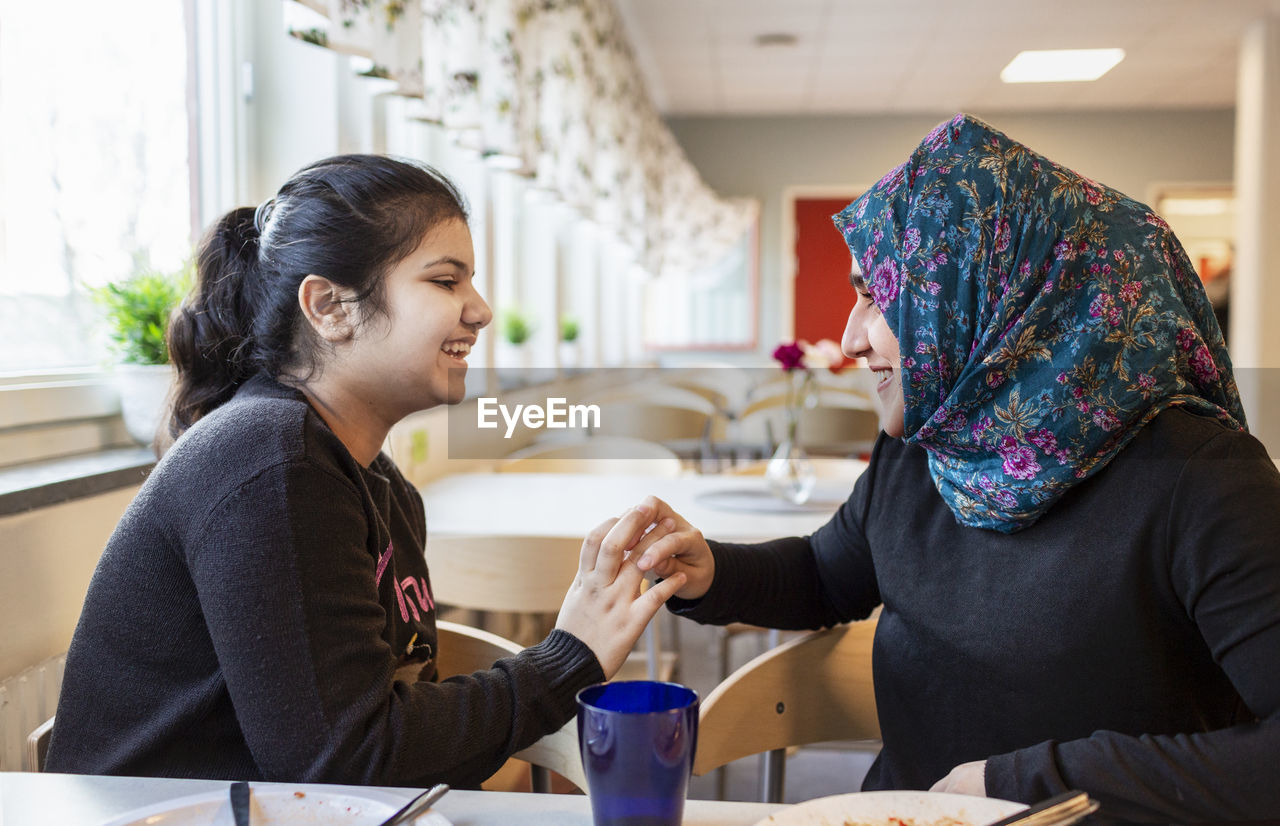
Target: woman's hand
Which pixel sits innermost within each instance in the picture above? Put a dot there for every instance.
(966, 778)
(604, 606)
(676, 547)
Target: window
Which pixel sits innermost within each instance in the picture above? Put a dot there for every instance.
(94, 174)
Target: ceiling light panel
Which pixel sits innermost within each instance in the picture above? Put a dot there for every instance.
(1060, 65)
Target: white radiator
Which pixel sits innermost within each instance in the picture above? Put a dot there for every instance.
(27, 699)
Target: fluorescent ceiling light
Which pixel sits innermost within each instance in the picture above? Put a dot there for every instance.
(1056, 65)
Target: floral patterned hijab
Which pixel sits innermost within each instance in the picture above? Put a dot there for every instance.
(1042, 319)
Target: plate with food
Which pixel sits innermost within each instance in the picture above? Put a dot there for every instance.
(276, 805)
(894, 809)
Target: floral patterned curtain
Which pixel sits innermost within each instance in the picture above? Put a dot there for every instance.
(553, 88)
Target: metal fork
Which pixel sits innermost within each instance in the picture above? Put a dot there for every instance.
(1060, 810)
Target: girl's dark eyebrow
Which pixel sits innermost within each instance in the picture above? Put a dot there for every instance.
(857, 281)
(446, 260)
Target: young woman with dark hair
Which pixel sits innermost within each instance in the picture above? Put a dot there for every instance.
(263, 609)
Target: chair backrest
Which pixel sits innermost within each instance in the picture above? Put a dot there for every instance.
(663, 423)
(37, 747)
(524, 575)
(654, 391)
(597, 454)
(517, 574)
(821, 397)
(812, 689)
(465, 650)
(839, 428)
(834, 425)
(713, 395)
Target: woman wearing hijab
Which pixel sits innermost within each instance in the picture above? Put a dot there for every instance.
(1070, 534)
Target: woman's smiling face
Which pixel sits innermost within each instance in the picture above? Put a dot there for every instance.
(867, 335)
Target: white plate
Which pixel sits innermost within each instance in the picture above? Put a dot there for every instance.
(876, 808)
(277, 806)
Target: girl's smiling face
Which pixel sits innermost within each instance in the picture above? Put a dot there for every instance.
(413, 355)
(867, 335)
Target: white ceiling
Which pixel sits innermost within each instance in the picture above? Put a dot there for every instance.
(698, 57)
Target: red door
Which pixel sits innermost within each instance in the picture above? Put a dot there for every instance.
(823, 296)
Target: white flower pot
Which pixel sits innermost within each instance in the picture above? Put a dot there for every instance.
(144, 395)
(569, 356)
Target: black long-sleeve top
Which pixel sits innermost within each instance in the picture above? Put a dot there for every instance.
(1127, 644)
(254, 608)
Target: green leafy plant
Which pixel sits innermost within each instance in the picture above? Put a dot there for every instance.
(516, 327)
(569, 329)
(137, 313)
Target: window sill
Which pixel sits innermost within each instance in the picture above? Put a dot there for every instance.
(41, 484)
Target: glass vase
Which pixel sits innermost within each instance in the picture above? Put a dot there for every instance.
(789, 473)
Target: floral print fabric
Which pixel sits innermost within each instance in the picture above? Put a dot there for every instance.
(1042, 319)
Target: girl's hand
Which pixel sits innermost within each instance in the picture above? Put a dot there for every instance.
(604, 606)
(966, 778)
(675, 547)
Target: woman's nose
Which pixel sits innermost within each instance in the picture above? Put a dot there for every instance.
(854, 341)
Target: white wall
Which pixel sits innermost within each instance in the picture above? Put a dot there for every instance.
(762, 156)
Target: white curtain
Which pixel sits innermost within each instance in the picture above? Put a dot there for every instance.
(552, 87)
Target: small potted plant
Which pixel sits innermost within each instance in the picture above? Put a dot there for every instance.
(137, 313)
(516, 327)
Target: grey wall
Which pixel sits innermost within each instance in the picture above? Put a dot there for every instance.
(762, 156)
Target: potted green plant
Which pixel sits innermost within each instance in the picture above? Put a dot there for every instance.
(569, 332)
(516, 327)
(136, 312)
(569, 329)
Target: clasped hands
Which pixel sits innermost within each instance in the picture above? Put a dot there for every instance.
(605, 606)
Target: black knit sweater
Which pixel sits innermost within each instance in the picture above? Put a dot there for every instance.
(253, 607)
(1127, 644)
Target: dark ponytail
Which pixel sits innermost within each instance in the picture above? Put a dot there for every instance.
(350, 219)
(209, 335)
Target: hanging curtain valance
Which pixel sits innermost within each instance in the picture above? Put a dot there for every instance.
(551, 87)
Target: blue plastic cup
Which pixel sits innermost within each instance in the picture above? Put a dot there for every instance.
(637, 740)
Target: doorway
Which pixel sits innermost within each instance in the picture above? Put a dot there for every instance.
(822, 295)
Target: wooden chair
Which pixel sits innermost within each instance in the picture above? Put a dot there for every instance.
(37, 747)
(826, 467)
(812, 689)
(465, 650)
(524, 575)
(681, 419)
(718, 400)
(837, 425)
(597, 454)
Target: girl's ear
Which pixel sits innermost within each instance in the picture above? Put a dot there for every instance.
(326, 307)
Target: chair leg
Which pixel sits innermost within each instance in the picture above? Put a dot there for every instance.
(540, 779)
(773, 771)
(652, 650)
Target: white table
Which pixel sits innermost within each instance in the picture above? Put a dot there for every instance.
(571, 504)
(36, 799)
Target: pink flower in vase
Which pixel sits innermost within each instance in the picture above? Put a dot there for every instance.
(790, 355)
